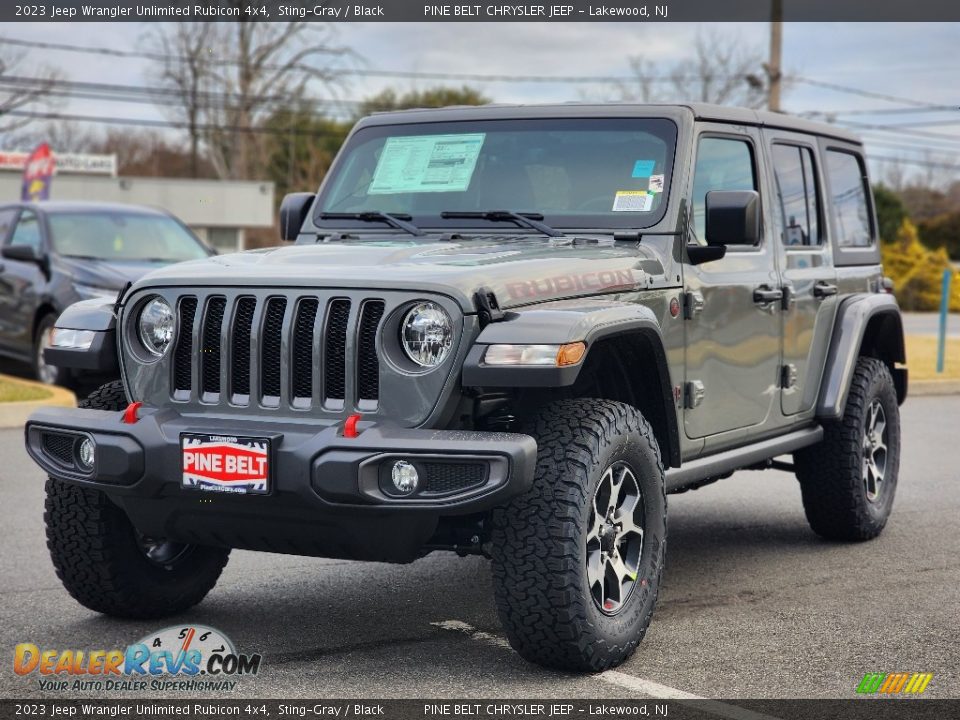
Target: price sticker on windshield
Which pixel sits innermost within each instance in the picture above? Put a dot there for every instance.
(632, 201)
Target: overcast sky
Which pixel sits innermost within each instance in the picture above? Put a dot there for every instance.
(916, 61)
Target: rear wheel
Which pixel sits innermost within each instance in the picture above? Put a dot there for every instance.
(848, 481)
(577, 560)
(106, 564)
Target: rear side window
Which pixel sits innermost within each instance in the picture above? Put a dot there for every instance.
(797, 193)
(722, 164)
(848, 192)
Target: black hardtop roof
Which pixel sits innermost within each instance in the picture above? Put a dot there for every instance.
(700, 111)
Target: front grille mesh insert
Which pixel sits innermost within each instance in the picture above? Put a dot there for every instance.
(272, 343)
(240, 347)
(368, 364)
(303, 348)
(210, 345)
(183, 352)
(335, 366)
(287, 349)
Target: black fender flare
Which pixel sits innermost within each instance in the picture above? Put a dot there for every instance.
(561, 323)
(866, 323)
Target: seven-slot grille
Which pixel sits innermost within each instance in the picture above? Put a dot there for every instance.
(280, 350)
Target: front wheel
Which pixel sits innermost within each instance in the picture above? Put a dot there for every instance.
(577, 560)
(106, 564)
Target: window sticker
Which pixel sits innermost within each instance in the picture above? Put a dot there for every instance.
(656, 183)
(643, 168)
(632, 201)
(426, 163)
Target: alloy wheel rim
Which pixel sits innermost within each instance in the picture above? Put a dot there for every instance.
(874, 451)
(614, 540)
(46, 372)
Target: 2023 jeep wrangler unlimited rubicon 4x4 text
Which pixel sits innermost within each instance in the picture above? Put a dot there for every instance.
(509, 331)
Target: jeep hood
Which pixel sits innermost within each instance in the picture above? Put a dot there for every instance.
(519, 270)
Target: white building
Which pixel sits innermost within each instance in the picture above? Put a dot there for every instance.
(218, 211)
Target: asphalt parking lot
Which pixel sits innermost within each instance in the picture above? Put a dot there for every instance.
(753, 606)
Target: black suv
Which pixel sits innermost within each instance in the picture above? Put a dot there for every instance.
(54, 254)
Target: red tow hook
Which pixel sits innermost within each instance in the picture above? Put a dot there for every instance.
(350, 426)
(130, 414)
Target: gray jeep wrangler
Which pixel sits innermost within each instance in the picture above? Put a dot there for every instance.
(506, 331)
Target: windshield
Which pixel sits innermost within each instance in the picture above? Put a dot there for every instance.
(584, 173)
(123, 236)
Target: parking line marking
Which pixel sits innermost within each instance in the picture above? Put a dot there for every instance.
(621, 679)
(647, 687)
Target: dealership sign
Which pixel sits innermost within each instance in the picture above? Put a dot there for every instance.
(65, 163)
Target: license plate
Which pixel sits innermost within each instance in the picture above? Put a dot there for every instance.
(225, 463)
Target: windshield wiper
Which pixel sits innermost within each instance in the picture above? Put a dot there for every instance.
(396, 220)
(523, 219)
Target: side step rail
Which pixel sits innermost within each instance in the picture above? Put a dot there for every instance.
(742, 457)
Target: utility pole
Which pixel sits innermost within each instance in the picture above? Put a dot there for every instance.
(773, 66)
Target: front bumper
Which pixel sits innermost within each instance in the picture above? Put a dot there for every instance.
(327, 491)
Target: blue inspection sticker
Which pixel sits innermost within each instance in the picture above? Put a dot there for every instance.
(643, 168)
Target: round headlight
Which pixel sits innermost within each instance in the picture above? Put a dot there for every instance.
(156, 326)
(427, 334)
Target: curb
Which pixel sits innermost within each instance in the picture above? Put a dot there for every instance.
(15, 414)
(933, 387)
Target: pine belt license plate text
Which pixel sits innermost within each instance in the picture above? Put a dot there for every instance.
(225, 463)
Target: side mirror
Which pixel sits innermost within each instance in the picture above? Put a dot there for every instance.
(733, 217)
(23, 253)
(293, 211)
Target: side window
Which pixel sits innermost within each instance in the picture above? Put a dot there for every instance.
(722, 164)
(797, 192)
(848, 192)
(6, 220)
(28, 231)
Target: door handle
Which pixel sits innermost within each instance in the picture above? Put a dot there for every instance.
(764, 295)
(823, 289)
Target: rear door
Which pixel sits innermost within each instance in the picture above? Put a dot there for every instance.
(19, 285)
(733, 326)
(806, 265)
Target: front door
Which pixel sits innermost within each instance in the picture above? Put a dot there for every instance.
(733, 305)
(806, 266)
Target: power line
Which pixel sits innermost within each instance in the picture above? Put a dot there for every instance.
(863, 93)
(145, 95)
(146, 122)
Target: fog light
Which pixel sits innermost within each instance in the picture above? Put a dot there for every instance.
(85, 454)
(404, 476)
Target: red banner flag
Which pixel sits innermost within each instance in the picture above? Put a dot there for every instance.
(38, 174)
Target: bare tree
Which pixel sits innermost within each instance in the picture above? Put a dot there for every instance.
(722, 70)
(185, 69)
(229, 77)
(18, 96)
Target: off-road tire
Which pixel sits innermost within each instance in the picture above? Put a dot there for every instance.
(831, 472)
(97, 553)
(538, 542)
